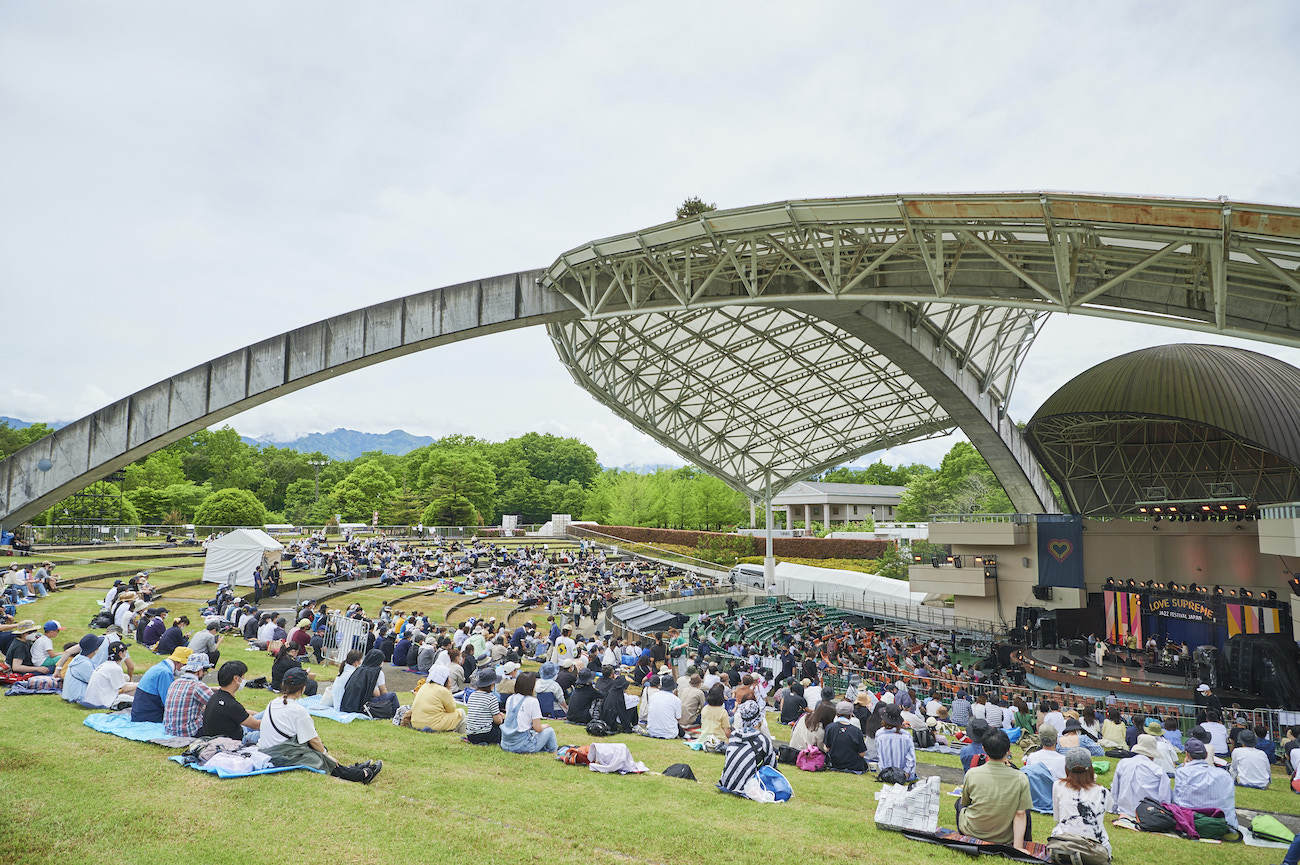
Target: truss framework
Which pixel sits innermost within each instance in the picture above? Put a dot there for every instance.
(1204, 265)
(1104, 461)
(752, 393)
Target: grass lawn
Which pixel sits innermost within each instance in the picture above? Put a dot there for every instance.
(439, 800)
(124, 564)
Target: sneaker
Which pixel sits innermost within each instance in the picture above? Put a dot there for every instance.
(372, 771)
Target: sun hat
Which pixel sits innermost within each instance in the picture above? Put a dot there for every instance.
(1146, 746)
(196, 661)
(1047, 736)
(548, 670)
(863, 697)
(1199, 732)
(485, 677)
(439, 675)
(1154, 728)
(90, 644)
(181, 655)
(304, 623)
(586, 677)
(509, 667)
(931, 722)
(26, 626)
(667, 683)
(1246, 739)
(1195, 749)
(1077, 758)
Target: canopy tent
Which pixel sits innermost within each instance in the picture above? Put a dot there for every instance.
(237, 553)
(832, 586)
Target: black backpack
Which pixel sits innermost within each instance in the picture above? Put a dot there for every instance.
(597, 727)
(1152, 816)
(924, 737)
(680, 770)
(891, 775)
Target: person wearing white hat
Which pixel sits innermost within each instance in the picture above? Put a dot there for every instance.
(433, 709)
(1139, 777)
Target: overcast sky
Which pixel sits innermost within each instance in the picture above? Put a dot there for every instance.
(179, 180)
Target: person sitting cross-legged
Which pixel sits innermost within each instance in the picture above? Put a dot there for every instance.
(1198, 783)
(224, 715)
(1249, 767)
(433, 710)
(995, 801)
(894, 745)
(187, 698)
(288, 735)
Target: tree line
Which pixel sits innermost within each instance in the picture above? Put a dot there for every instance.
(213, 477)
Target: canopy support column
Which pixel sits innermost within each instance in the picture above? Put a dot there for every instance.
(769, 561)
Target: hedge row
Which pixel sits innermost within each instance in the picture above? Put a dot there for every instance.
(803, 548)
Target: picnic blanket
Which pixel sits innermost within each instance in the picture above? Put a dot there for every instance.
(972, 846)
(122, 726)
(34, 685)
(318, 707)
(223, 774)
(942, 749)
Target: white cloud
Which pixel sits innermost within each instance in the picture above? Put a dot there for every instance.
(182, 180)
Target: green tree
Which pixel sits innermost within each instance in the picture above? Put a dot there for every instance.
(150, 503)
(451, 510)
(184, 498)
(366, 489)
(963, 483)
(719, 505)
(158, 470)
(231, 507)
(694, 206)
(108, 506)
(462, 474)
(14, 438)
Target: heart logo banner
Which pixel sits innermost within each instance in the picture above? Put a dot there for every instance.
(1060, 550)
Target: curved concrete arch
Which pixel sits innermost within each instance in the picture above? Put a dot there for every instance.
(971, 406)
(150, 419)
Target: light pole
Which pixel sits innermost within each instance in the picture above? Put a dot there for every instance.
(317, 464)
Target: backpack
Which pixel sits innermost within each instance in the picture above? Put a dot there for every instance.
(102, 620)
(923, 738)
(891, 775)
(787, 755)
(775, 783)
(1211, 827)
(576, 756)
(597, 727)
(1152, 816)
(680, 770)
(379, 710)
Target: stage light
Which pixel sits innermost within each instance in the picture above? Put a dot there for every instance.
(1158, 510)
(1272, 595)
(1294, 583)
(1241, 507)
(1142, 510)
(1133, 584)
(1125, 679)
(1110, 583)
(1173, 510)
(1248, 593)
(1205, 507)
(1151, 584)
(1223, 507)
(1218, 590)
(917, 558)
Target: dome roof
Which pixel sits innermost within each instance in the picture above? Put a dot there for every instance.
(1250, 395)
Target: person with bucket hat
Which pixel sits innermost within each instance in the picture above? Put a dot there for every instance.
(187, 698)
(483, 715)
(1139, 777)
(151, 693)
(582, 697)
(1249, 767)
(19, 654)
(76, 677)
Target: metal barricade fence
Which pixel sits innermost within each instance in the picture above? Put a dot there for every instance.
(342, 635)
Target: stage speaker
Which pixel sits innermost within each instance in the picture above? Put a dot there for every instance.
(1043, 593)
(1004, 654)
(1079, 648)
(1082, 663)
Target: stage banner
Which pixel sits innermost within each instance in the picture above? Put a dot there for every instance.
(1252, 619)
(1174, 607)
(1112, 623)
(1060, 551)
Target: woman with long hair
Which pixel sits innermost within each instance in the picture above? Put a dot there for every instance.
(714, 721)
(347, 667)
(288, 735)
(810, 730)
(1079, 805)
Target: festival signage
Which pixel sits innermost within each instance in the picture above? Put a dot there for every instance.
(1175, 607)
(1060, 550)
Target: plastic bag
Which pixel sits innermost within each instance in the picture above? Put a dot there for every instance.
(775, 783)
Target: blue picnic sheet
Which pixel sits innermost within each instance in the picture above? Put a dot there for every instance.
(223, 774)
(316, 706)
(137, 731)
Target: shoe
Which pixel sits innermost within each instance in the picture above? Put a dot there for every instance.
(372, 771)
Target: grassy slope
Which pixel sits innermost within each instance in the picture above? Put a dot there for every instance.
(446, 798)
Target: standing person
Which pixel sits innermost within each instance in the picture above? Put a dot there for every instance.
(288, 735)
(995, 800)
(224, 715)
(1079, 806)
(257, 584)
(523, 731)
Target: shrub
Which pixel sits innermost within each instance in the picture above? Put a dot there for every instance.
(230, 507)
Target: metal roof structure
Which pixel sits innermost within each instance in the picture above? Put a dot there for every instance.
(1207, 426)
(766, 343)
(724, 336)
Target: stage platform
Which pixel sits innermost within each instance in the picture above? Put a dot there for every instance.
(1125, 681)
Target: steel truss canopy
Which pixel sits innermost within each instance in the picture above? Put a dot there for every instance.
(713, 334)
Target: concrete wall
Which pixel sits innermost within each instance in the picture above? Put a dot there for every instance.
(88, 449)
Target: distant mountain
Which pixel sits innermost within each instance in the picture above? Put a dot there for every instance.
(15, 423)
(348, 444)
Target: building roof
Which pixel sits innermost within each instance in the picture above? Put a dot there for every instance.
(1248, 394)
(1174, 423)
(804, 490)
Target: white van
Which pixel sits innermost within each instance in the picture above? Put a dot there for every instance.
(748, 575)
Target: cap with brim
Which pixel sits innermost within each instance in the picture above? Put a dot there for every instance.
(1195, 749)
(52, 625)
(509, 667)
(26, 626)
(304, 623)
(1077, 758)
(181, 655)
(1203, 688)
(294, 678)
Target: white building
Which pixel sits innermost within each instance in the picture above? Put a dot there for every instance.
(810, 501)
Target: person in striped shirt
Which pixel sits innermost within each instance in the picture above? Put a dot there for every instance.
(187, 698)
(483, 716)
(748, 749)
(894, 744)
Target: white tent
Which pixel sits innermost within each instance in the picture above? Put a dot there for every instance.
(238, 552)
(832, 586)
